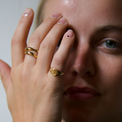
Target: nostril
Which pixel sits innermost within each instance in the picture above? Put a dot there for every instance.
(89, 73)
(74, 73)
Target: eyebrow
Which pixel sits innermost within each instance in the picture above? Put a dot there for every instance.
(110, 28)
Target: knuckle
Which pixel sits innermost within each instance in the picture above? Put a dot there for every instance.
(58, 60)
(22, 21)
(15, 40)
(45, 46)
(46, 20)
(67, 44)
(50, 21)
(24, 72)
(2, 77)
(60, 28)
(34, 38)
(24, 76)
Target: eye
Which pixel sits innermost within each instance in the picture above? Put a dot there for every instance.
(110, 44)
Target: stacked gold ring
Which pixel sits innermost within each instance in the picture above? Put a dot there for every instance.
(30, 51)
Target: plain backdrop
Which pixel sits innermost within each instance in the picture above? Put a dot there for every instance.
(10, 13)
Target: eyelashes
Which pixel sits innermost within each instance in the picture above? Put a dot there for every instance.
(111, 43)
(108, 44)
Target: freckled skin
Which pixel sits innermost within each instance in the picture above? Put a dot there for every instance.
(85, 16)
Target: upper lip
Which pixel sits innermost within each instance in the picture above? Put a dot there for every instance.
(77, 89)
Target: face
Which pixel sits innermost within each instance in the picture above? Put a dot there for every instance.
(95, 63)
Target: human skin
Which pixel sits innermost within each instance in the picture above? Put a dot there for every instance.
(91, 63)
(34, 95)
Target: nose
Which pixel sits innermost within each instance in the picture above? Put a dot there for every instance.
(83, 63)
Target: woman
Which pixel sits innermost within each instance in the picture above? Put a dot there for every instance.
(79, 80)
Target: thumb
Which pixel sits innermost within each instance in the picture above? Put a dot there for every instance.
(5, 71)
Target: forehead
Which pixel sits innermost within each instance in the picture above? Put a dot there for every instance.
(82, 6)
(87, 13)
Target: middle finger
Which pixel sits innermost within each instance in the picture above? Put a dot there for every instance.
(48, 45)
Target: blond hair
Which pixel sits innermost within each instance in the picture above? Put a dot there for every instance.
(40, 13)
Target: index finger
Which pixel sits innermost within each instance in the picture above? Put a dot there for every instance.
(18, 42)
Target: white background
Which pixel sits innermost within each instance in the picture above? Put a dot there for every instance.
(10, 12)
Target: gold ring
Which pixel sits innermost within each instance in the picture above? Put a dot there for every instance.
(56, 72)
(31, 53)
(30, 49)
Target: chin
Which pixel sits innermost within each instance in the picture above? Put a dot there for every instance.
(76, 115)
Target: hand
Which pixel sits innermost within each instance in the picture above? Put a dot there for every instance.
(33, 93)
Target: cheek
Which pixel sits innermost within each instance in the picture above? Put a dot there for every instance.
(110, 71)
(69, 77)
(110, 75)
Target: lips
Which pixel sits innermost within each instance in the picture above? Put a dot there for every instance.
(80, 93)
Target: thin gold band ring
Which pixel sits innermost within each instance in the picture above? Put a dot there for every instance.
(31, 49)
(31, 53)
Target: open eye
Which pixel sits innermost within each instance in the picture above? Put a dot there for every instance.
(110, 44)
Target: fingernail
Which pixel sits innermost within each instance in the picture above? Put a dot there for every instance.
(62, 21)
(56, 15)
(69, 33)
(27, 12)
